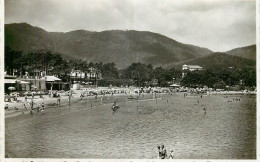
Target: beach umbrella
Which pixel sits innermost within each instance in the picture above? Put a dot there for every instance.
(174, 85)
(11, 88)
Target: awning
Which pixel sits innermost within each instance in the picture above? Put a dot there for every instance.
(24, 82)
(13, 81)
(51, 78)
(10, 81)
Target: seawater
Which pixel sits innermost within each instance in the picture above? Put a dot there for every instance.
(89, 129)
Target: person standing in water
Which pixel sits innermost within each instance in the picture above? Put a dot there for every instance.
(69, 99)
(42, 106)
(159, 152)
(205, 110)
(81, 96)
(171, 154)
(32, 103)
(58, 101)
(164, 153)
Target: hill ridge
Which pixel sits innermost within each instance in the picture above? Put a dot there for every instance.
(120, 46)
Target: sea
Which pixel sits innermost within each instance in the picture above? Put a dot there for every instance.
(193, 127)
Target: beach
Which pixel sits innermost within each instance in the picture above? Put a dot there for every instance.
(18, 108)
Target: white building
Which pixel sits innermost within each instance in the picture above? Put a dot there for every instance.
(185, 68)
(91, 73)
(77, 74)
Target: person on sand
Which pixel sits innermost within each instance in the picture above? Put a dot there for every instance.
(69, 99)
(25, 98)
(38, 108)
(6, 107)
(32, 104)
(171, 154)
(24, 106)
(81, 96)
(58, 101)
(43, 106)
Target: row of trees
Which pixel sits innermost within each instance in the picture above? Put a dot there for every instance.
(138, 74)
(221, 77)
(52, 64)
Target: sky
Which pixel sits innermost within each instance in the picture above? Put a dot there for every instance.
(219, 25)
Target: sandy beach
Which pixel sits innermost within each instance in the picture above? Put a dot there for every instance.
(22, 107)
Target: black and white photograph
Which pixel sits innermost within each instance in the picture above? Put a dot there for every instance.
(129, 79)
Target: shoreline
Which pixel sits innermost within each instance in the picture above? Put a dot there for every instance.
(52, 102)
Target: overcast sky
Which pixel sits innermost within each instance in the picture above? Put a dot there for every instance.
(217, 25)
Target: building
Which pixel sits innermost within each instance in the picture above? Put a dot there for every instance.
(92, 75)
(54, 83)
(186, 68)
(75, 74)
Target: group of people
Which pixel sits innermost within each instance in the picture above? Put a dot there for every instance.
(163, 153)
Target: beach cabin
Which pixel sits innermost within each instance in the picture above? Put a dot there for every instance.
(53, 83)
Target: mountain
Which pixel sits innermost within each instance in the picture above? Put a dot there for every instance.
(121, 47)
(218, 59)
(248, 52)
